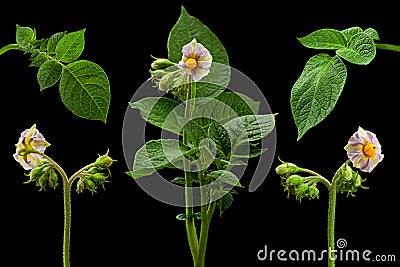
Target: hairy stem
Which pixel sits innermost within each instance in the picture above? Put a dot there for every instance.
(67, 209)
(205, 222)
(190, 226)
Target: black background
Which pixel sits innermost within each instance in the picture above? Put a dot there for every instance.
(123, 226)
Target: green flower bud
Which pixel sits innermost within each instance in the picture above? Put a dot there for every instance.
(98, 178)
(161, 63)
(313, 192)
(347, 172)
(357, 179)
(104, 161)
(34, 174)
(94, 170)
(287, 169)
(53, 179)
(90, 185)
(42, 181)
(80, 186)
(295, 179)
(301, 190)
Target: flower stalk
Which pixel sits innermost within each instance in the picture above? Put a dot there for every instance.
(363, 151)
(43, 170)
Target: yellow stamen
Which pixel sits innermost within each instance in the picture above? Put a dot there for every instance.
(369, 149)
(191, 63)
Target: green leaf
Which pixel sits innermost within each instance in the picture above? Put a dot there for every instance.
(224, 176)
(316, 91)
(221, 138)
(188, 27)
(178, 180)
(224, 203)
(158, 154)
(25, 36)
(155, 110)
(348, 33)
(85, 90)
(53, 41)
(48, 74)
(43, 45)
(361, 49)
(372, 33)
(250, 127)
(240, 103)
(38, 58)
(70, 46)
(324, 39)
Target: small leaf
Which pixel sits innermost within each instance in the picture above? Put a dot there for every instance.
(316, 91)
(38, 59)
(85, 90)
(361, 49)
(53, 41)
(324, 39)
(221, 138)
(24, 36)
(71, 46)
(178, 180)
(188, 27)
(49, 73)
(158, 154)
(372, 33)
(224, 176)
(348, 33)
(224, 203)
(43, 45)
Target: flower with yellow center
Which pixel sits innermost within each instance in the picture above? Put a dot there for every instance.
(29, 144)
(196, 60)
(364, 150)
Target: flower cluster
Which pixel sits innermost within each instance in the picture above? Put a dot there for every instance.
(349, 180)
(44, 175)
(175, 78)
(96, 176)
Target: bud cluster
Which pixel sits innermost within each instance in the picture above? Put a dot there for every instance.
(349, 180)
(295, 184)
(44, 175)
(167, 77)
(96, 176)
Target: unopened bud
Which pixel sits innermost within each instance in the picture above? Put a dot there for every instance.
(104, 161)
(313, 192)
(161, 63)
(347, 172)
(287, 169)
(295, 179)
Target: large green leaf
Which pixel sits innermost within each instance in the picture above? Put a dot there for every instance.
(85, 90)
(156, 110)
(324, 39)
(188, 27)
(316, 91)
(53, 41)
(70, 46)
(156, 155)
(361, 49)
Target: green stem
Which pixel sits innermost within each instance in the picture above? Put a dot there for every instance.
(331, 218)
(10, 47)
(67, 210)
(190, 226)
(205, 223)
(388, 47)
